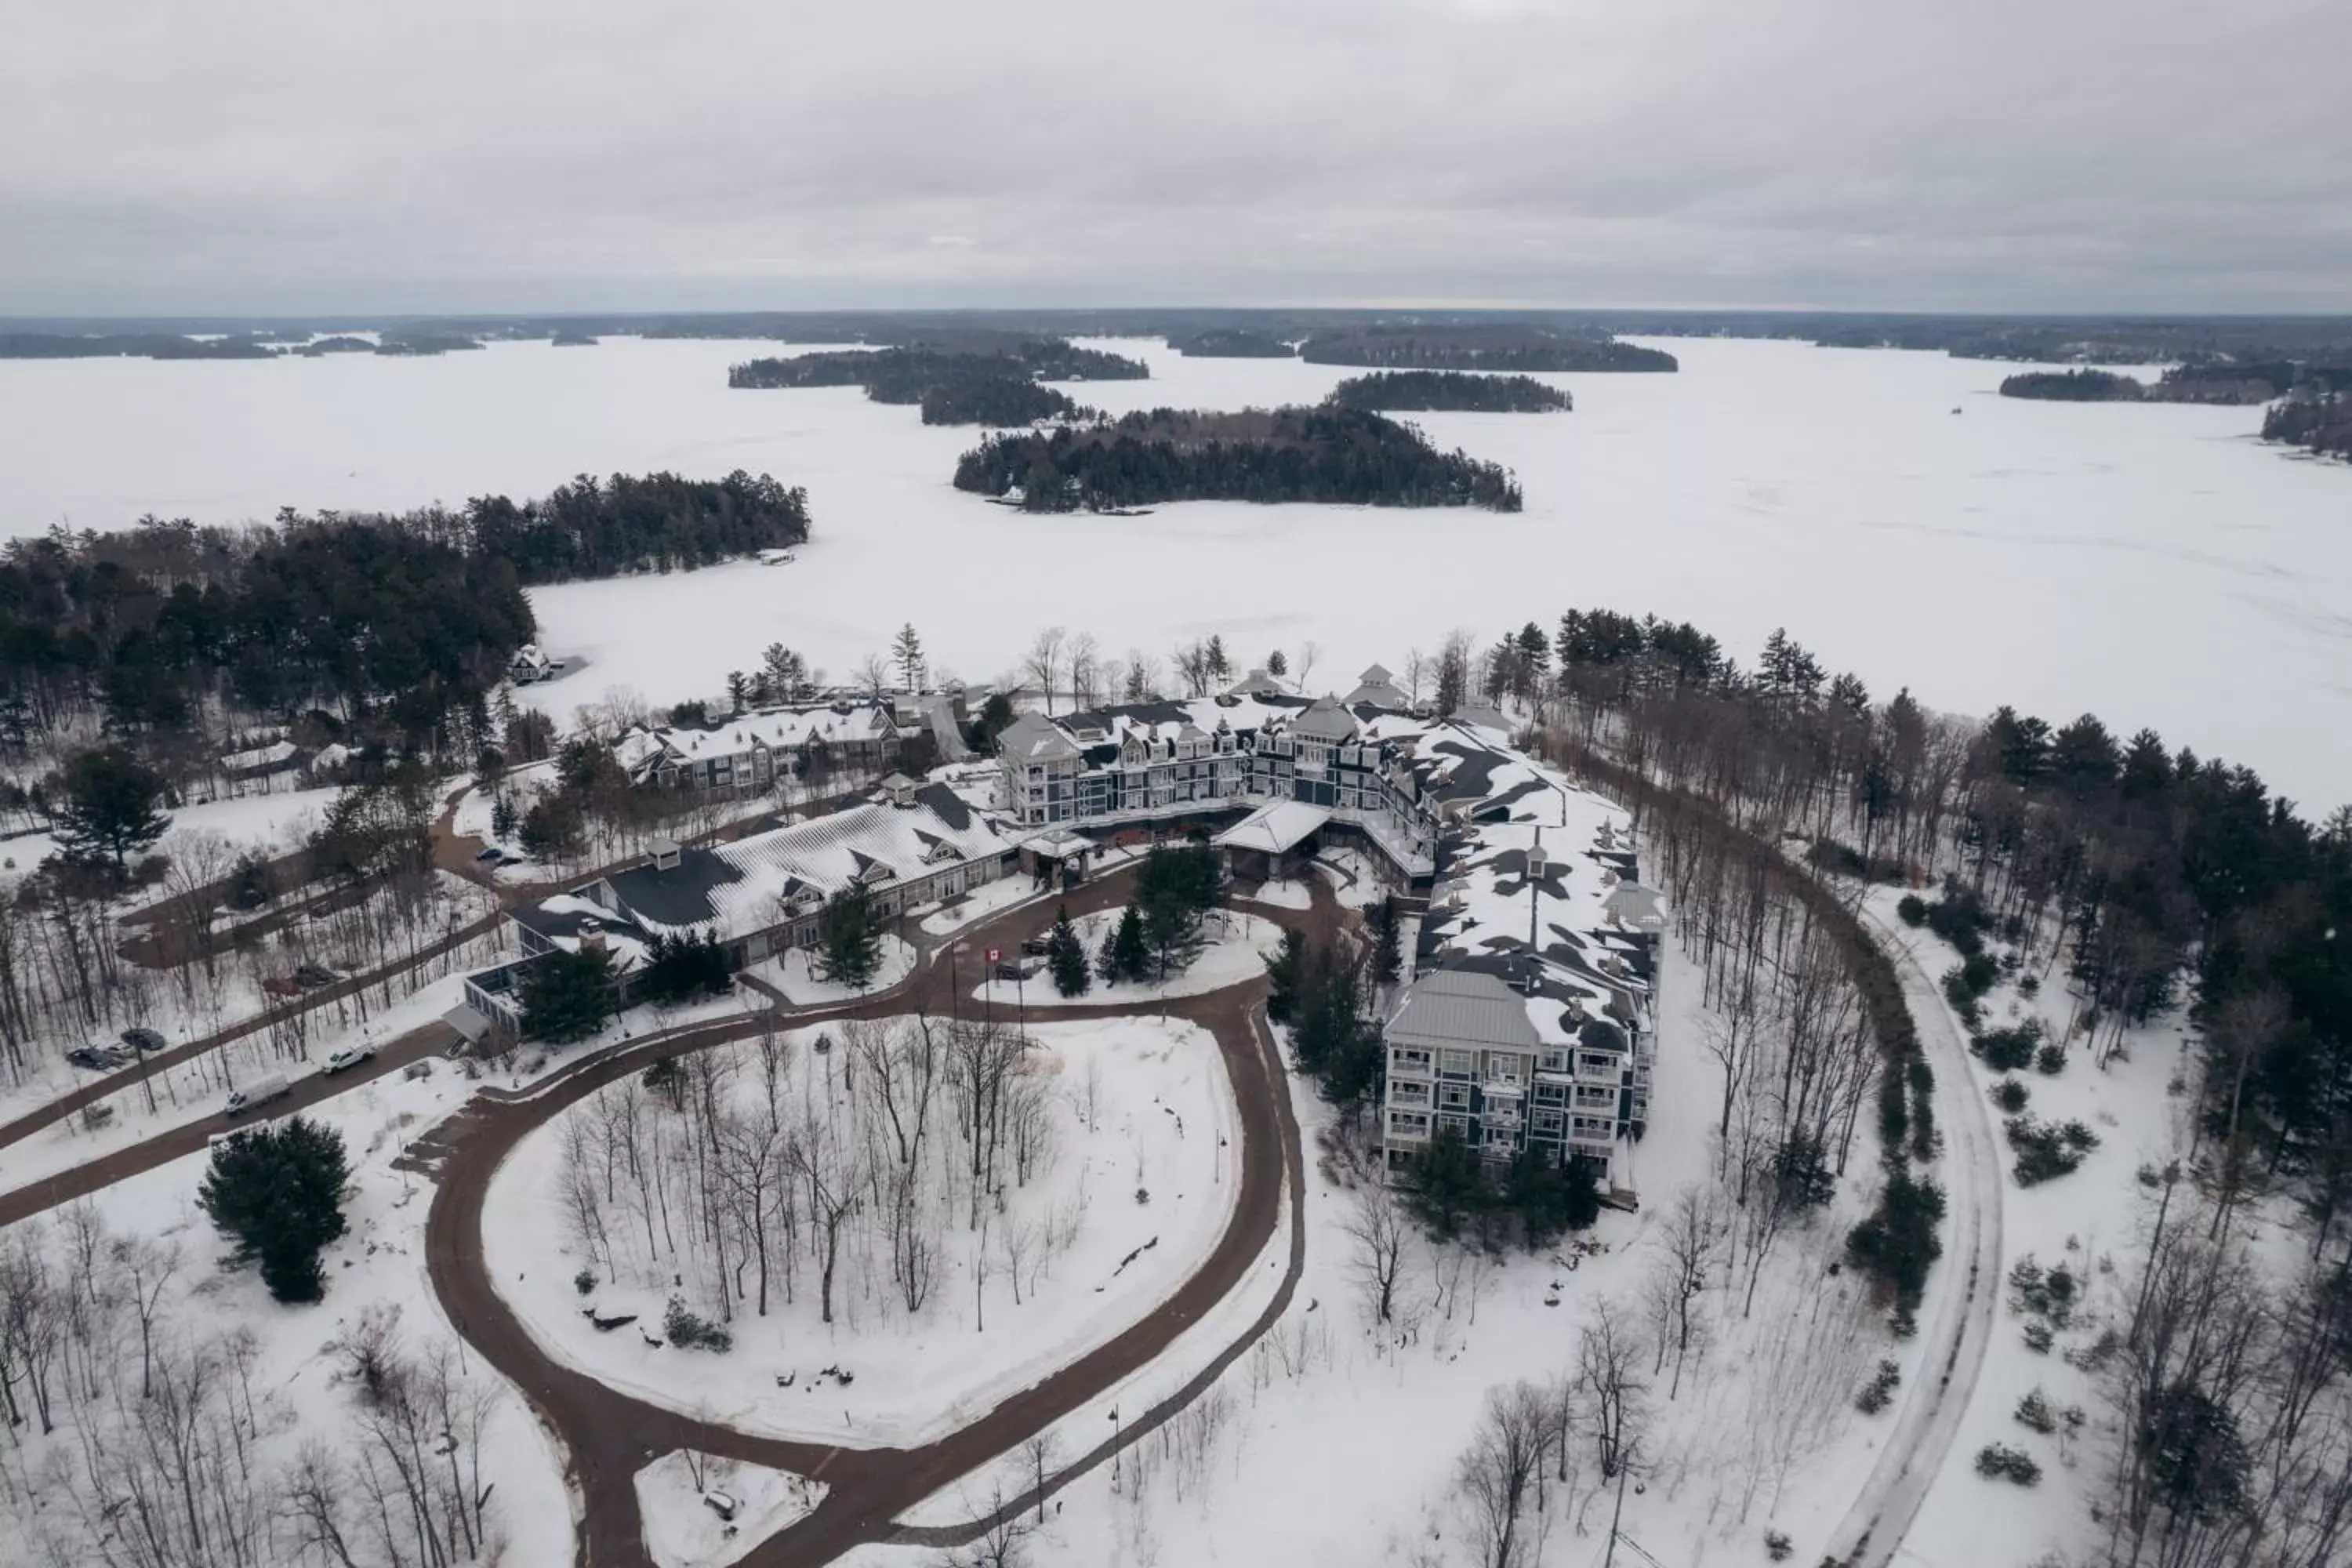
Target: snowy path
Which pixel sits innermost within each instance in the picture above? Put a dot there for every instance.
(1967, 1285)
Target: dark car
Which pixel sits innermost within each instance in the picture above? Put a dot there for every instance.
(86, 1057)
(144, 1041)
(313, 974)
(492, 853)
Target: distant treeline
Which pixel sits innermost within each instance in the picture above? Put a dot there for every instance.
(2222, 381)
(990, 383)
(391, 626)
(130, 345)
(1233, 343)
(1519, 347)
(1446, 391)
(174, 345)
(1335, 455)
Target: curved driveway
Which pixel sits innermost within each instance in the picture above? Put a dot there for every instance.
(611, 1436)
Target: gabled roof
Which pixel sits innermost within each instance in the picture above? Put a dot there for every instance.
(1031, 738)
(1463, 1008)
(1374, 674)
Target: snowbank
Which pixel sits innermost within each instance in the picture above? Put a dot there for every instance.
(683, 1529)
(1235, 954)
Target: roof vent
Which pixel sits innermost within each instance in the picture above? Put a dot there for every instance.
(666, 853)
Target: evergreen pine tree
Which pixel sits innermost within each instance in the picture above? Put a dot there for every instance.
(108, 809)
(849, 937)
(502, 816)
(1066, 956)
(907, 651)
(567, 996)
(1388, 960)
(277, 1191)
(1131, 948)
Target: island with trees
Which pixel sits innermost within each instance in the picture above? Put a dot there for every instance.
(2318, 420)
(2078, 386)
(1480, 346)
(1343, 455)
(1233, 343)
(986, 382)
(1447, 391)
(130, 345)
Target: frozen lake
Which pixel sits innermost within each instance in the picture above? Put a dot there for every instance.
(2155, 564)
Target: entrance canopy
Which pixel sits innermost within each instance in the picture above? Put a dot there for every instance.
(1275, 829)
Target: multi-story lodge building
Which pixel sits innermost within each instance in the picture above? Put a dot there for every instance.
(749, 753)
(1529, 1022)
(1213, 758)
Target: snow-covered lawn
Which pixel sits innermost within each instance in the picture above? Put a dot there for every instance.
(1369, 1422)
(1124, 1206)
(1235, 952)
(1290, 893)
(295, 1375)
(794, 974)
(1351, 877)
(988, 899)
(682, 1530)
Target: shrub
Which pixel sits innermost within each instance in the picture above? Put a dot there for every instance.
(2009, 1095)
(2079, 1136)
(1777, 1545)
(2050, 1060)
(2029, 985)
(2044, 1152)
(1912, 911)
(1960, 919)
(1979, 972)
(2040, 1337)
(688, 1332)
(1898, 1241)
(1880, 1390)
(2011, 1050)
(584, 1281)
(1963, 1000)
(1998, 1460)
(2036, 1412)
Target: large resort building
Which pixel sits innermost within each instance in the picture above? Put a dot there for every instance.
(1526, 1020)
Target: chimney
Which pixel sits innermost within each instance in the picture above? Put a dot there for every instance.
(592, 935)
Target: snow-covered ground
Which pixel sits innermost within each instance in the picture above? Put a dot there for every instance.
(2090, 1221)
(296, 1375)
(988, 899)
(271, 823)
(1761, 1433)
(682, 1530)
(1237, 946)
(1140, 1196)
(2101, 529)
(794, 974)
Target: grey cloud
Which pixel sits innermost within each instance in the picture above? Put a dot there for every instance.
(2004, 153)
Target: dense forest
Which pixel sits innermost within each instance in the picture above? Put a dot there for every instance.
(2073, 387)
(367, 628)
(977, 378)
(1517, 348)
(973, 399)
(2320, 422)
(1446, 391)
(1233, 343)
(1336, 455)
(2156, 863)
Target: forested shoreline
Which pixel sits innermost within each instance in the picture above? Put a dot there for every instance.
(175, 639)
(1332, 455)
(979, 382)
(1443, 391)
(1484, 347)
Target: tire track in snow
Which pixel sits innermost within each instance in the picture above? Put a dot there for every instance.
(1873, 1528)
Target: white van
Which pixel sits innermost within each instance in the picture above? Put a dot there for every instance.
(260, 1092)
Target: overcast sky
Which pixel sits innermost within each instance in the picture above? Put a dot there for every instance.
(254, 155)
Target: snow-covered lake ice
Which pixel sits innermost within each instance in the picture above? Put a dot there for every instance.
(2156, 564)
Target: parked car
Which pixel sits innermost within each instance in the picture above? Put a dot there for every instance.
(144, 1040)
(311, 974)
(492, 853)
(260, 1092)
(1025, 967)
(350, 1055)
(89, 1058)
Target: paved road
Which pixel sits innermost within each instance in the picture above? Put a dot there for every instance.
(1966, 1286)
(24, 1202)
(611, 1436)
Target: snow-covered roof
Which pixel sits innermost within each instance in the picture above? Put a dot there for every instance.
(1276, 827)
(276, 753)
(748, 885)
(1034, 738)
(640, 749)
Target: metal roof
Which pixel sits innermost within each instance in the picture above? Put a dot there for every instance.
(1462, 1007)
